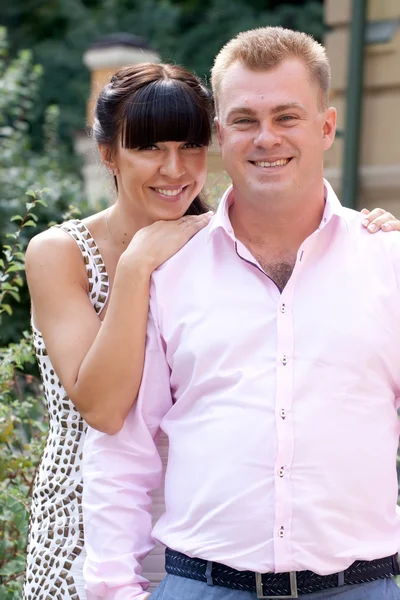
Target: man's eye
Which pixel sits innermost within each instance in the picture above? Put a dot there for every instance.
(287, 118)
(243, 121)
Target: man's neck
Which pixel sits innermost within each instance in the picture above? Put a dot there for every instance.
(280, 225)
(274, 234)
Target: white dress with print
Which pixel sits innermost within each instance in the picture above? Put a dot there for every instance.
(55, 552)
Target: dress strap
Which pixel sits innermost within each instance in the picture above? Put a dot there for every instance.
(94, 263)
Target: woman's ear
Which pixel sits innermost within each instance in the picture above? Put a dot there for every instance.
(108, 159)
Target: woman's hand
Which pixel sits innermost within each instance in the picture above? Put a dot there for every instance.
(155, 244)
(379, 219)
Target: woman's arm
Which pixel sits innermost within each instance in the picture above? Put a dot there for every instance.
(119, 473)
(99, 364)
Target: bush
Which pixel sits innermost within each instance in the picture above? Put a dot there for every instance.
(21, 168)
(22, 423)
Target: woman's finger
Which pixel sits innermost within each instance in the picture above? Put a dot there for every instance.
(378, 222)
(374, 214)
(194, 220)
(392, 225)
(192, 226)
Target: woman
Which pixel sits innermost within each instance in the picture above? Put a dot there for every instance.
(89, 342)
(89, 283)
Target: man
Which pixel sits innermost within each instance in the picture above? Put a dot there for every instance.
(272, 364)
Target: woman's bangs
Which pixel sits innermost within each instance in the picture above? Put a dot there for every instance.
(165, 111)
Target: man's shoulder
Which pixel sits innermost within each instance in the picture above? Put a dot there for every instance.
(353, 219)
(187, 257)
(381, 248)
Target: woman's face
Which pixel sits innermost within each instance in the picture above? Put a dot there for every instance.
(159, 182)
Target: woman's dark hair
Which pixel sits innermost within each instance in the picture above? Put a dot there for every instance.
(154, 102)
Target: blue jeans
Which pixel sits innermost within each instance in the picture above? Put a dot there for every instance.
(173, 587)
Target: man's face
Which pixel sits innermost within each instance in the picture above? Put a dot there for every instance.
(272, 130)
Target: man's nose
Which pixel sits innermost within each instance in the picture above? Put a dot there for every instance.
(267, 136)
(173, 165)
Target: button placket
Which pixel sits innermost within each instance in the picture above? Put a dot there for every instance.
(284, 428)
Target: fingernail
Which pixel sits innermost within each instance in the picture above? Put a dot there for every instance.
(386, 226)
(372, 227)
(365, 222)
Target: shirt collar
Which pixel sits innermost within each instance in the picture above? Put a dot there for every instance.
(332, 205)
(221, 219)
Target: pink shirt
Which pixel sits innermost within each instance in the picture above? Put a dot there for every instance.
(280, 411)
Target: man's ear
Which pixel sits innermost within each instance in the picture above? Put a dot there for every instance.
(218, 130)
(329, 127)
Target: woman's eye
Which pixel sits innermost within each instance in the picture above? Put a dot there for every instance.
(192, 146)
(151, 147)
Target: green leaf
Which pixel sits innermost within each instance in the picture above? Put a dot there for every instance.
(14, 295)
(13, 236)
(31, 193)
(17, 218)
(18, 280)
(7, 286)
(6, 308)
(29, 223)
(15, 267)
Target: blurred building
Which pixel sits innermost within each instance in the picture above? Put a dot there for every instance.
(104, 58)
(380, 130)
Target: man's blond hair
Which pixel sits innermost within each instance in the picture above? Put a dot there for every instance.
(265, 48)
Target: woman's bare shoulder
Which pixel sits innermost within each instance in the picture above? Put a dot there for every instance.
(51, 252)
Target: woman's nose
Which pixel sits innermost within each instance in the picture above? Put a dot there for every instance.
(173, 165)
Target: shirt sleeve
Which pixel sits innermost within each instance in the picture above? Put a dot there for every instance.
(119, 472)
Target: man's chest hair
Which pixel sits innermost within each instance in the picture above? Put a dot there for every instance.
(278, 268)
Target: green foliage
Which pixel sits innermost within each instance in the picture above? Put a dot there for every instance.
(189, 32)
(52, 188)
(22, 425)
(208, 30)
(22, 168)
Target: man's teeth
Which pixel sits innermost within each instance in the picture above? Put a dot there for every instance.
(277, 163)
(168, 192)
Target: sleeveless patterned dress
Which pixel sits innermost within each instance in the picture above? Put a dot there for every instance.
(55, 550)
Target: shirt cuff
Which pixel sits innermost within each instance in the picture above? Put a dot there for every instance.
(124, 593)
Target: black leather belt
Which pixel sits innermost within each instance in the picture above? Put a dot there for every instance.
(278, 585)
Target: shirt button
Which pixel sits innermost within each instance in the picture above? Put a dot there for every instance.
(283, 413)
(281, 472)
(284, 360)
(281, 532)
(283, 308)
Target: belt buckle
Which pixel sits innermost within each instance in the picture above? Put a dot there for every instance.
(293, 587)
